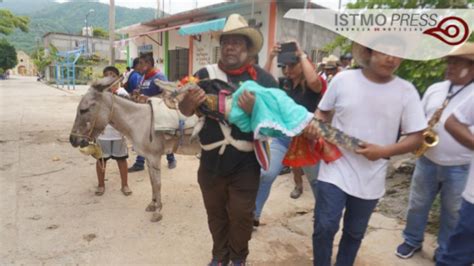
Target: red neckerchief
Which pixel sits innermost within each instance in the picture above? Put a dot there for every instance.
(151, 73)
(249, 68)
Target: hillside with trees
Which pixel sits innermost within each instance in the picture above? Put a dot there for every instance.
(49, 16)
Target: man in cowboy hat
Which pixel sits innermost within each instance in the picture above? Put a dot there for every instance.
(443, 168)
(229, 175)
(371, 104)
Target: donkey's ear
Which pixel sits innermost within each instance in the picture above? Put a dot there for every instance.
(103, 84)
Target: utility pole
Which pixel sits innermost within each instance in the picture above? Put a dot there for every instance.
(87, 31)
(157, 13)
(112, 32)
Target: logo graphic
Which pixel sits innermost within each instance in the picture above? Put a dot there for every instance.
(416, 34)
(451, 30)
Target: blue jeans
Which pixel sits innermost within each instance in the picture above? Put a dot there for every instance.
(330, 203)
(460, 247)
(140, 161)
(428, 180)
(278, 149)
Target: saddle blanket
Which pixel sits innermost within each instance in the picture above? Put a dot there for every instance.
(167, 119)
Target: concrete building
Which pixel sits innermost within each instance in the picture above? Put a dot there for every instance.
(25, 65)
(68, 42)
(179, 55)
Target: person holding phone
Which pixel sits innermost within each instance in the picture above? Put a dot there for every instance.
(305, 89)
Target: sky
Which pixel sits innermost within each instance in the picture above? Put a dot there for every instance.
(183, 5)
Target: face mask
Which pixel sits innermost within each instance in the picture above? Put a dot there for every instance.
(92, 149)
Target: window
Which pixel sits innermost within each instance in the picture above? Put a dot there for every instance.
(178, 64)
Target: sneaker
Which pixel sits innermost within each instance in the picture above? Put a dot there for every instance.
(216, 262)
(136, 168)
(296, 193)
(172, 164)
(406, 251)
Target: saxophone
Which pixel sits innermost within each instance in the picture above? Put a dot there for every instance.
(430, 137)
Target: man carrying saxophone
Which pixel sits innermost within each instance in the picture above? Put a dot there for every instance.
(443, 163)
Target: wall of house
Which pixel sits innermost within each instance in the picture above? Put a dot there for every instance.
(96, 45)
(204, 50)
(25, 65)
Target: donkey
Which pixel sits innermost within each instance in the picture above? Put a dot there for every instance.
(99, 107)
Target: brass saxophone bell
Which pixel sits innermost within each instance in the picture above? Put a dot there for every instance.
(92, 149)
(430, 139)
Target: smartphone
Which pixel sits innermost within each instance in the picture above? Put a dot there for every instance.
(287, 54)
(288, 47)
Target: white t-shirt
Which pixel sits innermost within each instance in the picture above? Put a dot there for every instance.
(465, 114)
(373, 113)
(110, 133)
(448, 152)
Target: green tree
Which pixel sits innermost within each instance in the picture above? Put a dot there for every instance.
(41, 59)
(100, 32)
(8, 59)
(421, 73)
(10, 22)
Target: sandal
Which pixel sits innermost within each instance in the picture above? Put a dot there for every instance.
(100, 191)
(126, 191)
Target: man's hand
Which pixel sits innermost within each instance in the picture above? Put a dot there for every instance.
(311, 131)
(372, 152)
(191, 101)
(246, 101)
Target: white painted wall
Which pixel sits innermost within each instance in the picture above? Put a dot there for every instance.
(203, 51)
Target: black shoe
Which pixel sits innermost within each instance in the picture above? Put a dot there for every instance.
(135, 168)
(256, 223)
(285, 170)
(216, 262)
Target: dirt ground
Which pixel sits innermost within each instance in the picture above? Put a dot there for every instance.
(50, 215)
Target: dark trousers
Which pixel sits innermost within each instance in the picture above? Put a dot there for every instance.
(330, 203)
(230, 203)
(460, 248)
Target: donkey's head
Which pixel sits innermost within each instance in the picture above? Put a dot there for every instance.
(92, 114)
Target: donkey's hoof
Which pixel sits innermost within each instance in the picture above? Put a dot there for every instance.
(151, 207)
(156, 217)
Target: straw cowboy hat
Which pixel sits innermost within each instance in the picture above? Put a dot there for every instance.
(466, 50)
(236, 24)
(361, 54)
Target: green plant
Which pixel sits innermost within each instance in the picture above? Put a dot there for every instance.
(8, 57)
(10, 22)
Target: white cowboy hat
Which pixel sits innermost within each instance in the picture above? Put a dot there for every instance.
(465, 50)
(361, 54)
(236, 24)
